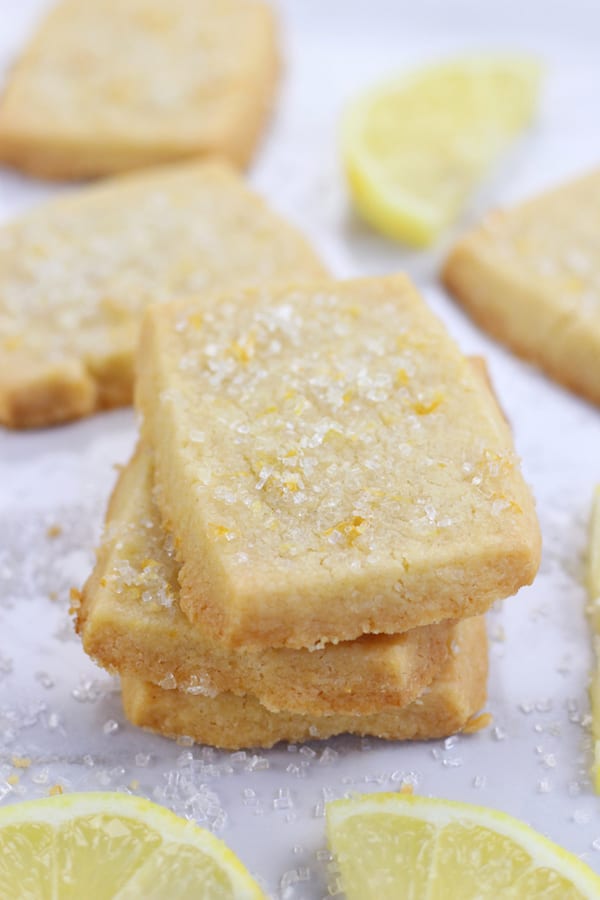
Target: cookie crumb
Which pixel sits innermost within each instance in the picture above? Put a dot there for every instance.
(478, 723)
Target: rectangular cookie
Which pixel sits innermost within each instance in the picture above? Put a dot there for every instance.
(531, 277)
(234, 722)
(129, 620)
(106, 86)
(329, 464)
(77, 272)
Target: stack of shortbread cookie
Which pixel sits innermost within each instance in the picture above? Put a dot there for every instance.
(324, 500)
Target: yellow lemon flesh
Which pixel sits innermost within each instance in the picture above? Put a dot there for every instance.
(396, 845)
(414, 148)
(108, 845)
(593, 580)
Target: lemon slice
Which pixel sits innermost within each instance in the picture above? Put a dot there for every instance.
(104, 845)
(414, 148)
(396, 845)
(594, 617)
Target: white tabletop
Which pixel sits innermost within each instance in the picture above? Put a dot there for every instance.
(63, 713)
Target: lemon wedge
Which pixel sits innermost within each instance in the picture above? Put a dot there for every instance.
(109, 845)
(397, 845)
(414, 148)
(593, 580)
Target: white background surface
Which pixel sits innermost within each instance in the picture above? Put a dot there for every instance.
(58, 709)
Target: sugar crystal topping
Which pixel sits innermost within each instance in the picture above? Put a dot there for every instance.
(77, 273)
(332, 423)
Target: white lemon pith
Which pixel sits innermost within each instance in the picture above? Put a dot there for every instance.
(102, 846)
(593, 580)
(396, 845)
(414, 148)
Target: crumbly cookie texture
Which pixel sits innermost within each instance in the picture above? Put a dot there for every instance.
(77, 273)
(129, 620)
(531, 277)
(329, 464)
(235, 722)
(107, 86)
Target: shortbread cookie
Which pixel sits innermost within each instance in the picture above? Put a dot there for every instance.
(329, 464)
(234, 722)
(77, 273)
(107, 86)
(130, 622)
(531, 277)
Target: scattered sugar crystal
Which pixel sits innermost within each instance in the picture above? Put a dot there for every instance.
(479, 781)
(142, 760)
(87, 691)
(374, 778)
(41, 776)
(54, 721)
(498, 733)
(88, 760)
(328, 756)
(208, 753)
(596, 844)
(168, 683)
(257, 764)
(582, 816)
(44, 679)
(110, 726)
(307, 752)
(288, 879)
(282, 799)
(544, 786)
